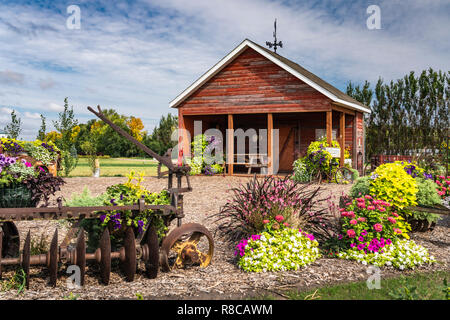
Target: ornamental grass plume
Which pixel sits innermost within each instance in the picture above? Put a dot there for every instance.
(280, 200)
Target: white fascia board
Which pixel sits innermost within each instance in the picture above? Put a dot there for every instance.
(211, 72)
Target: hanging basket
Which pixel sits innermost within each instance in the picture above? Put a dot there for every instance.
(16, 196)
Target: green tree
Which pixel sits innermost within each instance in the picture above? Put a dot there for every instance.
(42, 129)
(160, 140)
(14, 128)
(64, 125)
(409, 115)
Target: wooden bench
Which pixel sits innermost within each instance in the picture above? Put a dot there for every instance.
(251, 161)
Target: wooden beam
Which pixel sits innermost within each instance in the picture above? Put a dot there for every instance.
(205, 110)
(342, 109)
(230, 140)
(329, 127)
(342, 137)
(270, 143)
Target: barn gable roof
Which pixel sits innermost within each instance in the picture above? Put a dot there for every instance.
(295, 69)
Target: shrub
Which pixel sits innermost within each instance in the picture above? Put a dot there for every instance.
(390, 182)
(360, 187)
(264, 199)
(85, 199)
(355, 174)
(301, 171)
(284, 249)
(427, 194)
(365, 219)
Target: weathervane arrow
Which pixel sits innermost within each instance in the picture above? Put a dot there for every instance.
(275, 44)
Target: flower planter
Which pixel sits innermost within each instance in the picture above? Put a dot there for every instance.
(16, 196)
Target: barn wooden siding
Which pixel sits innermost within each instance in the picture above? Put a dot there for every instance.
(253, 84)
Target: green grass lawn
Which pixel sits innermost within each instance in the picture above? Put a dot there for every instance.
(420, 286)
(117, 167)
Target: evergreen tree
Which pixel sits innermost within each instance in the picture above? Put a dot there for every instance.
(42, 129)
(14, 128)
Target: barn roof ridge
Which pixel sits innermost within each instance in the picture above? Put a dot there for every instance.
(295, 69)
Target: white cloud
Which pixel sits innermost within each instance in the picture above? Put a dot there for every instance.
(51, 106)
(47, 83)
(7, 111)
(11, 77)
(33, 115)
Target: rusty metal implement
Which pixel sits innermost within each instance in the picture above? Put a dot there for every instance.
(180, 248)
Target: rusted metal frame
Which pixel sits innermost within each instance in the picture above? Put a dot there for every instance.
(74, 212)
(435, 209)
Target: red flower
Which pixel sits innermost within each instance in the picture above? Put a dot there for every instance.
(279, 218)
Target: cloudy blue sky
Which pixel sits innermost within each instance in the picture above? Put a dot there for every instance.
(136, 56)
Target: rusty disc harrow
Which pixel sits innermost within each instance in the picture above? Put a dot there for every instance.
(147, 250)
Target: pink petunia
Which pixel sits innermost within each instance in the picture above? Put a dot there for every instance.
(353, 221)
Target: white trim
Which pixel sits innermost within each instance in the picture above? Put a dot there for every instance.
(246, 43)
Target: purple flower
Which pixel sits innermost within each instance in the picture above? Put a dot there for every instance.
(364, 233)
(102, 217)
(361, 239)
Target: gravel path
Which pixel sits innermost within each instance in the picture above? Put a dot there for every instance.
(222, 279)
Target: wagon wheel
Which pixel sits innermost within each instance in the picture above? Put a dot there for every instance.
(315, 177)
(187, 245)
(367, 169)
(343, 175)
(11, 240)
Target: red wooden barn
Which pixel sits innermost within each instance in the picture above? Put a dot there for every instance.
(253, 87)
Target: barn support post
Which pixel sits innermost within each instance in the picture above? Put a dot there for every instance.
(270, 143)
(183, 141)
(329, 126)
(342, 137)
(230, 144)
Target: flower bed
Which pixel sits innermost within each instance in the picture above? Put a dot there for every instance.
(281, 250)
(401, 254)
(117, 221)
(17, 173)
(402, 184)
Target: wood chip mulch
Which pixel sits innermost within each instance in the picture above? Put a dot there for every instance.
(222, 279)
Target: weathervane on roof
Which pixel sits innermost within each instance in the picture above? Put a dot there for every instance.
(275, 44)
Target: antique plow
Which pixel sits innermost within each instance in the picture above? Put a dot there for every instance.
(179, 248)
